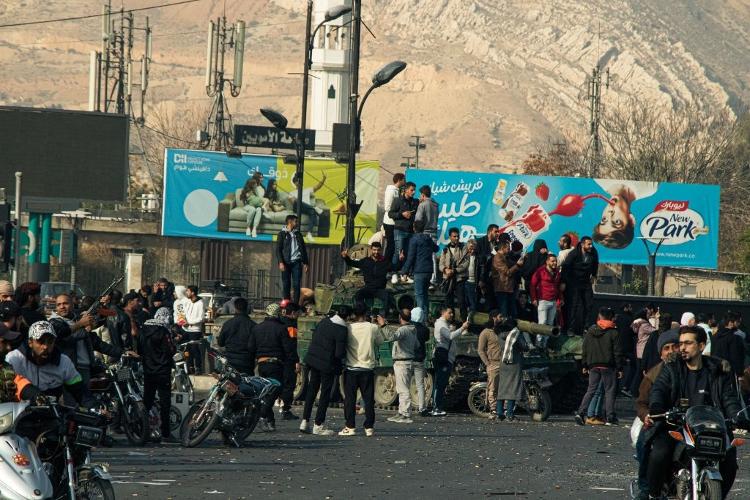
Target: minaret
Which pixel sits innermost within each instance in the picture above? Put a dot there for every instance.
(330, 73)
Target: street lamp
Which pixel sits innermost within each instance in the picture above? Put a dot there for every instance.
(652, 262)
(417, 145)
(382, 77)
(331, 14)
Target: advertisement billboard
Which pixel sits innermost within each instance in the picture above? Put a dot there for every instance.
(208, 194)
(617, 214)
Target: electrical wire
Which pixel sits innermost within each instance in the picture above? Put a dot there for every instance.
(170, 136)
(91, 16)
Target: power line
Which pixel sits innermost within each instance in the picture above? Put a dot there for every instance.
(91, 16)
(169, 136)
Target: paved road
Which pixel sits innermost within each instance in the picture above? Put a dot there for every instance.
(458, 455)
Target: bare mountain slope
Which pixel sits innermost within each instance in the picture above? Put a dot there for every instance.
(487, 79)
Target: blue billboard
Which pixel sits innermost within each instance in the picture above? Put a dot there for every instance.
(619, 215)
(208, 194)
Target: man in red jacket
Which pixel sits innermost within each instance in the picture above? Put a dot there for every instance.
(546, 290)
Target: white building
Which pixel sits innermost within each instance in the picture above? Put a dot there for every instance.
(330, 77)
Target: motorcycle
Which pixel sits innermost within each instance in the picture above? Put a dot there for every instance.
(536, 401)
(233, 406)
(22, 474)
(180, 378)
(64, 438)
(117, 391)
(703, 439)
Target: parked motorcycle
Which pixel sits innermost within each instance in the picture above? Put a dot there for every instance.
(64, 438)
(118, 392)
(703, 439)
(536, 402)
(180, 378)
(22, 474)
(233, 406)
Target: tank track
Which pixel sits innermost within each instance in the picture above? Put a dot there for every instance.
(465, 372)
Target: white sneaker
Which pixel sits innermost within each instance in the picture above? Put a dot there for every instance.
(255, 233)
(310, 237)
(394, 418)
(408, 280)
(248, 232)
(318, 210)
(346, 431)
(320, 430)
(369, 432)
(303, 427)
(394, 279)
(402, 419)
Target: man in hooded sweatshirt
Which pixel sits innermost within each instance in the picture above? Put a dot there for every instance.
(602, 361)
(419, 261)
(403, 353)
(156, 349)
(427, 211)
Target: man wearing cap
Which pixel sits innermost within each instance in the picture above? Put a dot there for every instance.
(13, 386)
(6, 291)
(375, 272)
(270, 346)
(44, 365)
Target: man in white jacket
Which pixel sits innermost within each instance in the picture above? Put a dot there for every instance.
(391, 193)
(193, 326)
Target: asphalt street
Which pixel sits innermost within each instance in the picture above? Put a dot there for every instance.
(458, 455)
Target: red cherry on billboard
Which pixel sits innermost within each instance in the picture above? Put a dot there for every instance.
(572, 204)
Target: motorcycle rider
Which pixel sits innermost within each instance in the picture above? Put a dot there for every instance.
(156, 350)
(13, 386)
(270, 346)
(702, 381)
(44, 365)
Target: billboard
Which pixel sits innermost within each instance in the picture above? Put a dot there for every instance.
(208, 194)
(63, 154)
(617, 214)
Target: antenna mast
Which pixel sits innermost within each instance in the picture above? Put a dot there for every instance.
(217, 133)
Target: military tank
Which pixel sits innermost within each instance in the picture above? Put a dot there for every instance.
(561, 356)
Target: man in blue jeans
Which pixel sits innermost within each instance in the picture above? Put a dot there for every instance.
(292, 256)
(403, 211)
(419, 260)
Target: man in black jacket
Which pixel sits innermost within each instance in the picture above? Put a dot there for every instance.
(234, 337)
(375, 272)
(156, 350)
(270, 346)
(579, 274)
(423, 335)
(324, 360)
(726, 344)
(402, 212)
(701, 381)
(292, 256)
(484, 251)
(602, 361)
(623, 320)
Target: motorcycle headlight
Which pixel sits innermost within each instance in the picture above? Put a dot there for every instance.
(6, 420)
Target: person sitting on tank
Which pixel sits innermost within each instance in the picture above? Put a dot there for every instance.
(375, 270)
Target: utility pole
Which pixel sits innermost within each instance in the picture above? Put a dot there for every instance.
(594, 89)
(351, 173)
(417, 145)
(111, 73)
(407, 163)
(218, 130)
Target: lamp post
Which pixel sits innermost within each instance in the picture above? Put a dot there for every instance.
(382, 77)
(417, 145)
(651, 263)
(331, 14)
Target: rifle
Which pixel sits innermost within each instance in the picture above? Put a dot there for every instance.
(97, 310)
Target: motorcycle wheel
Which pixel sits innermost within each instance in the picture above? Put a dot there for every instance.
(97, 488)
(545, 406)
(711, 489)
(477, 401)
(193, 432)
(135, 422)
(242, 433)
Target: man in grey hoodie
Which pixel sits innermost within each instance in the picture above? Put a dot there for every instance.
(427, 211)
(404, 351)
